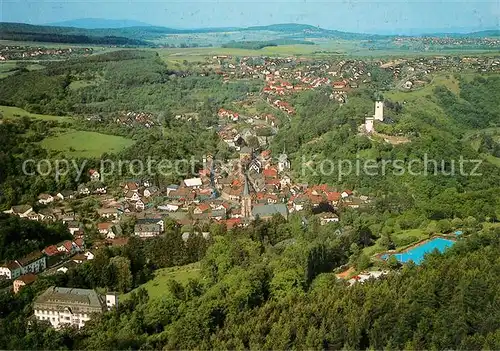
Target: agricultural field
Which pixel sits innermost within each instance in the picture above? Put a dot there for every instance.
(16, 112)
(74, 143)
(158, 286)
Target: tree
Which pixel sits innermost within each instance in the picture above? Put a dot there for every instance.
(363, 262)
(121, 265)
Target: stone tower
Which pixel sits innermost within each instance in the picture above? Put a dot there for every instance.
(246, 201)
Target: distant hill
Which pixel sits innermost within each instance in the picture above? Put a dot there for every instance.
(133, 33)
(27, 32)
(485, 33)
(99, 23)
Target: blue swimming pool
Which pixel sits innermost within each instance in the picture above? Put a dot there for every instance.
(417, 253)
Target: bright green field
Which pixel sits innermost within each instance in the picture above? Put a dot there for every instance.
(157, 287)
(16, 112)
(85, 144)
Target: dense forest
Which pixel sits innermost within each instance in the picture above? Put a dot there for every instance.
(255, 295)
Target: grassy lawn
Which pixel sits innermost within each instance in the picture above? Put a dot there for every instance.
(401, 239)
(157, 287)
(85, 144)
(16, 112)
(78, 84)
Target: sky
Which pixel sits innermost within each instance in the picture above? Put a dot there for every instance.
(368, 16)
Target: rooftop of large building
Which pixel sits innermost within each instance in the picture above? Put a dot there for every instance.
(70, 297)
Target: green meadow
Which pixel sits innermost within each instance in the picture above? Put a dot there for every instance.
(158, 286)
(74, 143)
(16, 112)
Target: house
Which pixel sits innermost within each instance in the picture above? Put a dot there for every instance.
(172, 187)
(105, 228)
(33, 263)
(150, 220)
(11, 270)
(22, 211)
(67, 247)
(201, 208)
(66, 195)
(108, 213)
(193, 182)
(79, 258)
(94, 175)
(100, 190)
(346, 194)
(132, 196)
(74, 227)
(45, 199)
(131, 186)
(218, 214)
(169, 207)
(51, 250)
(255, 166)
(46, 214)
(71, 306)
(148, 192)
(23, 280)
(140, 205)
(326, 218)
(339, 85)
(83, 190)
(147, 230)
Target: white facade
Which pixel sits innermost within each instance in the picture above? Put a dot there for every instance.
(379, 111)
(69, 306)
(26, 265)
(58, 318)
(369, 125)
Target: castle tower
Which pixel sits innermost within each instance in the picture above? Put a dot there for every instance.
(379, 111)
(246, 201)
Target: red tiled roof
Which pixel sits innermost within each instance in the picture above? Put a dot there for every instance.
(334, 196)
(79, 242)
(204, 207)
(232, 222)
(270, 173)
(51, 250)
(104, 226)
(27, 278)
(68, 245)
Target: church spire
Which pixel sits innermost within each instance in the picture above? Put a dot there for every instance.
(246, 190)
(246, 201)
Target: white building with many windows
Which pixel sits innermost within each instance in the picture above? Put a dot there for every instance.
(70, 306)
(35, 262)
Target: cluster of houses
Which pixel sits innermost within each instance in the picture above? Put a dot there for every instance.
(61, 256)
(450, 41)
(14, 52)
(131, 119)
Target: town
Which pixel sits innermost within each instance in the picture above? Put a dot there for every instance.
(225, 183)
